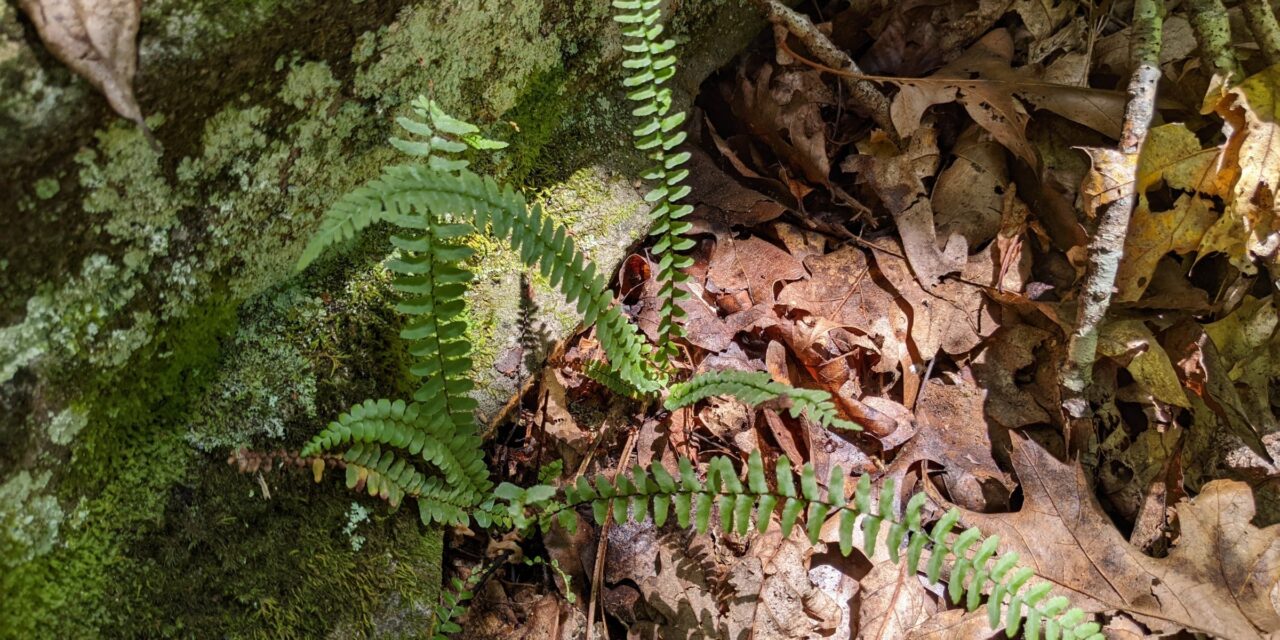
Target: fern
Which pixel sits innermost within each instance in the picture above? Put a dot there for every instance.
(433, 206)
(453, 602)
(652, 65)
(1014, 600)
(602, 373)
(754, 388)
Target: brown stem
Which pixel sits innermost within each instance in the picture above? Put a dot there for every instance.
(865, 95)
(1107, 246)
(1262, 22)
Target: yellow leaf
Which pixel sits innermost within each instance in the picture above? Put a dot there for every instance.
(1154, 234)
(1133, 345)
(1250, 227)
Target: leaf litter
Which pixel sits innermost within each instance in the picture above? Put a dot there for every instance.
(927, 278)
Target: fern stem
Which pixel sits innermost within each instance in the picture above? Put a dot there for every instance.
(654, 66)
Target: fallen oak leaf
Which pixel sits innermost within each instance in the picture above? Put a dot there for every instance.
(982, 81)
(1216, 580)
(97, 39)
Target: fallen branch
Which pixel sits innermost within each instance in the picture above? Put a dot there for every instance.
(1213, 33)
(865, 95)
(1107, 246)
(1262, 22)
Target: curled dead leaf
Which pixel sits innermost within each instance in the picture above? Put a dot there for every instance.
(98, 40)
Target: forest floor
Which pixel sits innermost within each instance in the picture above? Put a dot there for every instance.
(930, 281)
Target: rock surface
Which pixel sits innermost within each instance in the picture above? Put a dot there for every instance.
(151, 321)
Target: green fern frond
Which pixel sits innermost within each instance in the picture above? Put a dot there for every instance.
(601, 372)
(439, 138)
(1012, 598)
(539, 241)
(755, 387)
(408, 427)
(453, 602)
(652, 65)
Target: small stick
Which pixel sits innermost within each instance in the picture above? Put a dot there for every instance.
(865, 95)
(602, 546)
(1107, 246)
(1262, 22)
(1213, 33)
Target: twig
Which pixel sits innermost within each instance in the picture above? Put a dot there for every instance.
(865, 95)
(602, 546)
(1213, 33)
(1107, 246)
(1262, 22)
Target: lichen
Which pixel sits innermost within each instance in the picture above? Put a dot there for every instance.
(29, 518)
(133, 329)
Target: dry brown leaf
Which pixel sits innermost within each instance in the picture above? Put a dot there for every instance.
(753, 265)
(1042, 17)
(893, 603)
(897, 177)
(1250, 226)
(840, 289)
(954, 434)
(968, 199)
(982, 81)
(98, 40)
(954, 316)
(956, 624)
(1216, 580)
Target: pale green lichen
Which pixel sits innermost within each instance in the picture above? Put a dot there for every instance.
(47, 188)
(266, 381)
(62, 428)
(29, 518)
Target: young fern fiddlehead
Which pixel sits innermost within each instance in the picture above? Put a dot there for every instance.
(652, 65)
(1014, 600)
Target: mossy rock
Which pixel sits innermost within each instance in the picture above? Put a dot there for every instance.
(126, 342)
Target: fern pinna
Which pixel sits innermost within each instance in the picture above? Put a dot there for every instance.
(652, 65)
(433, 206)
(1012, 599)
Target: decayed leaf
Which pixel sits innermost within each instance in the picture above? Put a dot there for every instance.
(897, 177)
(968, 199)
(1216, 580)
(1171, 154)
(1251, 225)
(893, 603)
(98, 40)
(1248, 341)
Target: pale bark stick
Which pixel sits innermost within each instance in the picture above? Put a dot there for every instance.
(1107, 245)
(1262, 22)
(1213, 34)
(866, 97)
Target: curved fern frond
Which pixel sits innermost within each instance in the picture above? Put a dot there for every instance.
(539, 241)
(441, 137)
(652, 65)
(409, 428)
(1013, 599)
(756, 387)
(604, 374)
